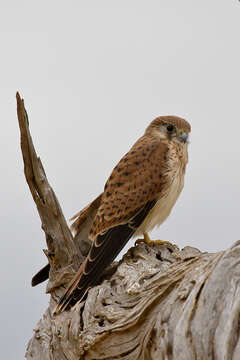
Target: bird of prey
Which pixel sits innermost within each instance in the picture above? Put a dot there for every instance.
(139, 195)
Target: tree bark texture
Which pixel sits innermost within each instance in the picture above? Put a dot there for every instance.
(157, 303)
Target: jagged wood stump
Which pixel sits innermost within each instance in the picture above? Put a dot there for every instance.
(157, 303)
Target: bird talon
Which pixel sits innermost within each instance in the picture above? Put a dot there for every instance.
(139, 241)
(150, 242)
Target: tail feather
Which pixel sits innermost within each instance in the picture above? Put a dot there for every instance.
(93, 267)
(103, 251)
(65, 299)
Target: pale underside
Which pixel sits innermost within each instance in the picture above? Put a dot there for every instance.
(161, 210)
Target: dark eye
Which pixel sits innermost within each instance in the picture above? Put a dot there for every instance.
(170, 128)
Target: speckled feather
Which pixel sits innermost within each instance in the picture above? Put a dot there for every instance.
(82, 215)
(133, 182)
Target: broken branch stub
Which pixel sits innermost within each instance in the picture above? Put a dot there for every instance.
(63, 254)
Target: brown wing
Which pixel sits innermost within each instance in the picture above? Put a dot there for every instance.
(88, 212)
(138, 178)
(130, 192)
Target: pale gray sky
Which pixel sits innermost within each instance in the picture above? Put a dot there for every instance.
(93, 75)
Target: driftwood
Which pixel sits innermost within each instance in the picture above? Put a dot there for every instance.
(158, 303)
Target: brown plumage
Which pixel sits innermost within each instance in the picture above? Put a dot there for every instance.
(138, 195)
(82, 215)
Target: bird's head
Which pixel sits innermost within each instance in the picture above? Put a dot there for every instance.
(171, 128)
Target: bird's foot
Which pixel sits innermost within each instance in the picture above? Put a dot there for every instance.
(150, 242)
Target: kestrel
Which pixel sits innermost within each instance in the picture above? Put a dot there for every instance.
(138, 195)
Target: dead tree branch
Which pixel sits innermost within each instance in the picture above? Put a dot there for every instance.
(63, 254)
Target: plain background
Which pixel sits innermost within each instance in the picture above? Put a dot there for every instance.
(93, 75)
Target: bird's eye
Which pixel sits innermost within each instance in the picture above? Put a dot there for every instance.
(170, 128)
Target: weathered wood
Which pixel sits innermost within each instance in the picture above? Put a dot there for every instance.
(160, 303)
(63, 254)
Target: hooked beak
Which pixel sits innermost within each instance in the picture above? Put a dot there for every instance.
(183, 137)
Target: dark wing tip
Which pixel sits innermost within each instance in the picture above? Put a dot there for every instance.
(67, 301)
(42, 275)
